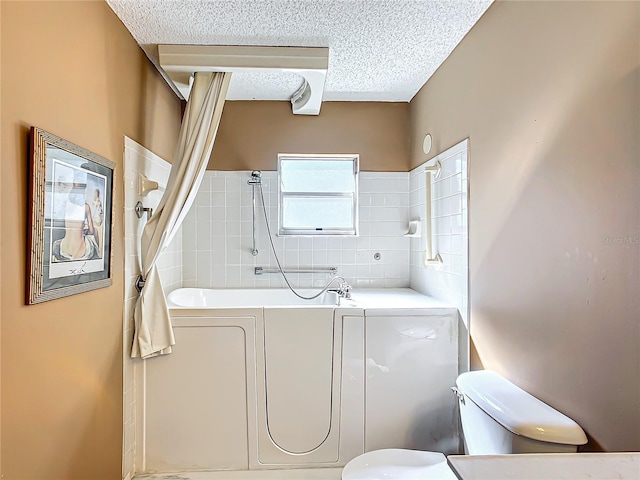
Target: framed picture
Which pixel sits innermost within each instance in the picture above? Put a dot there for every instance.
(71, 219)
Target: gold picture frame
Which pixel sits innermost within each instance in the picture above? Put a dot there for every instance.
(70, 219)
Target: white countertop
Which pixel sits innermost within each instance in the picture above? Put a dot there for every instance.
(556, 466)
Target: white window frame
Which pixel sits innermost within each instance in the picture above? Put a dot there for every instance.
(355, 158)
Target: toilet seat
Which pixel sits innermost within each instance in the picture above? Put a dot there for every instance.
(400, 464)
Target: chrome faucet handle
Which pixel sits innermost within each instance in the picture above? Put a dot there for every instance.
(346, 289)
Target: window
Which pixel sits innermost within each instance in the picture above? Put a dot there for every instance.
(318, 194)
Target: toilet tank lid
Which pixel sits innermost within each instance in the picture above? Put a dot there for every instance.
(518, 411)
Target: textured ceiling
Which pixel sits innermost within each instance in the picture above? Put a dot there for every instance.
(380, 50)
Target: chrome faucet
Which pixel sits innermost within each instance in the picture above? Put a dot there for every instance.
(343, 290)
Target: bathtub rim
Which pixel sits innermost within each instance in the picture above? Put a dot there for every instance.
(375, 302)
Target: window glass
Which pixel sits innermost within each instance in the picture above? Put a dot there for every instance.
(318, 195)
(302, 175)
(317, 212)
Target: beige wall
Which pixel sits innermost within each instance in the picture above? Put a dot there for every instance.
(1, 242)
(548, 93)
(70, 68)
(251, 134)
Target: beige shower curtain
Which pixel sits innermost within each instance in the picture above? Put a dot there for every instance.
(153, 333)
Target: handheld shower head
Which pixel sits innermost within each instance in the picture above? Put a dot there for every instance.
(256, 178)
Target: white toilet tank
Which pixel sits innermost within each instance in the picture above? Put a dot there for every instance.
(500, 418)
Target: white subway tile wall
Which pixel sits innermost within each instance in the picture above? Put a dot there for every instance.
(217, 236)
(138, 159)
(447, 282)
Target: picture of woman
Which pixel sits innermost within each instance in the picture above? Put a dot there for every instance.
(79, 238)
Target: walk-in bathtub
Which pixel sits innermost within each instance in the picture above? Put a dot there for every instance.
(261, 380)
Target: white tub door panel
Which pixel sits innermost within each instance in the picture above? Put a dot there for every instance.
(300, 387)
(196, 398)
(411, 363)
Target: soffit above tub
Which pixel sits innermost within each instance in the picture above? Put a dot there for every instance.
(380, 50)
(181, 62)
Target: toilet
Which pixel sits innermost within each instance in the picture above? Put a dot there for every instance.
(497, 418)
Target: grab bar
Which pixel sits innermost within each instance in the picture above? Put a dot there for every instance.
(330, 270)
(429, 259)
